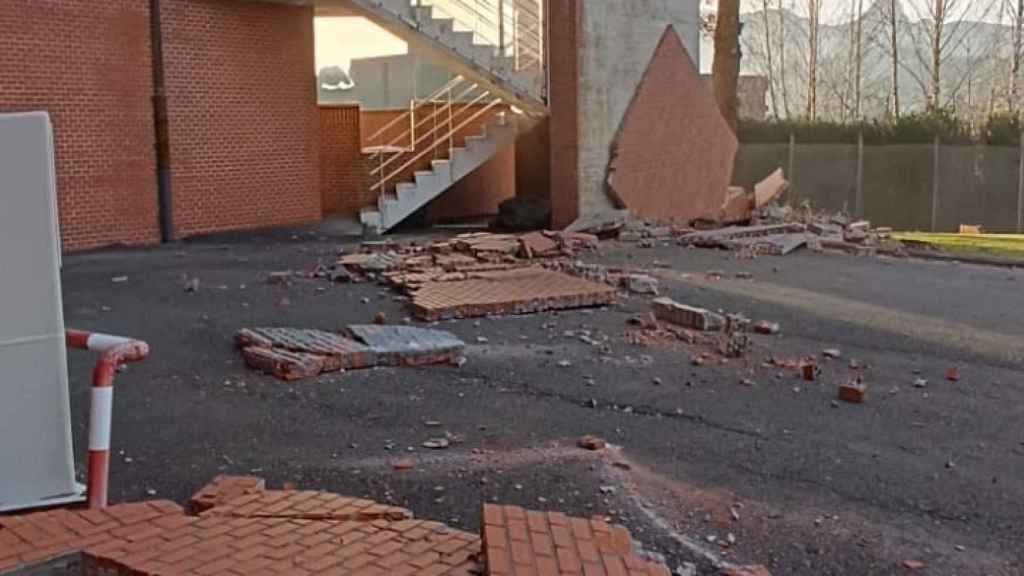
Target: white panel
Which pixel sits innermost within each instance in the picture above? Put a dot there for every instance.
(35, 427)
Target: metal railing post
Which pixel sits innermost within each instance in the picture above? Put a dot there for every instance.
(451, 138)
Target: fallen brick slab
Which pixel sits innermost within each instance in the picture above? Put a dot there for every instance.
(408, 346)
(307, 505)
(283, 364)
(223, 489)
(775, 245)
(337, 351)
(715, 238)
(520, 291)
(668, 310)
(518, 541)
(738, 206)
(151, 538)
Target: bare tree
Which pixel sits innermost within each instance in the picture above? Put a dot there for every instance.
(768, 56)
(813, 31)
(782, 60)
(894, 53)
(1017, 39)
(945, 27)
(725, 69)
(858, 57)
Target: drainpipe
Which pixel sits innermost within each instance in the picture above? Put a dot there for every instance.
(161, 133)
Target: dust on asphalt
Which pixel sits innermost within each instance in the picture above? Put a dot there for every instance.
(802, 486)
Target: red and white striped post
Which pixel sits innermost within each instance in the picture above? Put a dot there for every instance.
(114, 352)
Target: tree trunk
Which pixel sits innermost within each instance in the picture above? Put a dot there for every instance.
(782, 61)
(768, 55)
(725, 69)
(894, 80)
(859, 60)
(813, 8)
(935, 98)
(1012, 97)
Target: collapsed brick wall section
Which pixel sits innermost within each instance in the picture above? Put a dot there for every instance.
(243, 117)
(88, 64)
(344, 176)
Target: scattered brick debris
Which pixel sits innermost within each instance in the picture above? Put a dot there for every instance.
(953, 374)
(833, 353)
(768, 328)
(668, 310)
(520, 291)
(591, 442)
(770, 189)
(913, 564)
(640, 284)
(517, 541)
(222, 489)
(853, 392)
(279, 277)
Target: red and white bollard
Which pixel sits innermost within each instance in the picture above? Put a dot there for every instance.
(114, 352)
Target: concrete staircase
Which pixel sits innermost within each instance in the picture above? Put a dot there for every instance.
(408, 197)
(427, 27)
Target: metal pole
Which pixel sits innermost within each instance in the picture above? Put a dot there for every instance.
(859, 202)
(935, 184)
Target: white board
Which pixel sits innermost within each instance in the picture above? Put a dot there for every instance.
(36, 460)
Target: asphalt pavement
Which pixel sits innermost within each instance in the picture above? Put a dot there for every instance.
(736, 462)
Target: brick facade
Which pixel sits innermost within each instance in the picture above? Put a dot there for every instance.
(87, 63)
(344, 178)
(243, 118)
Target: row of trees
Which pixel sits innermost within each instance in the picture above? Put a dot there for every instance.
(875, 58)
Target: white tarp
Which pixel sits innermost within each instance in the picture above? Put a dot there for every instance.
(36, 461)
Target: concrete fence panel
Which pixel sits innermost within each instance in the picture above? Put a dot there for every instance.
(898, 185)
(826, 175)
(977, 185)
(755, 161)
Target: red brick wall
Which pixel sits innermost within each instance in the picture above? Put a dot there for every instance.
(87, 63)
(565, 22)
(343, 175)
(243, 116)
(533, 160)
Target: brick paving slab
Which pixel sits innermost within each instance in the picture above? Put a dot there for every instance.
(520, 291)
(307, 505)
(407, 345)
(339, 352)
(525, 542)
(284, 364)
(223, 489)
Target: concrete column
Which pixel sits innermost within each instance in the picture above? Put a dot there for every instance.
(564, 28)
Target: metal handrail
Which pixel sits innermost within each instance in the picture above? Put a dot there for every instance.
(415, 141)
(450, 134)
(492, 19)
(437, 94)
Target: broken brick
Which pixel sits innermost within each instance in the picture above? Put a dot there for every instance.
(283, 364)
(953, 374)
(668, 310)
(853, 392)
(809, 371)
(768, 328)
(222, 489)
(536, 244)
(590, 442)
